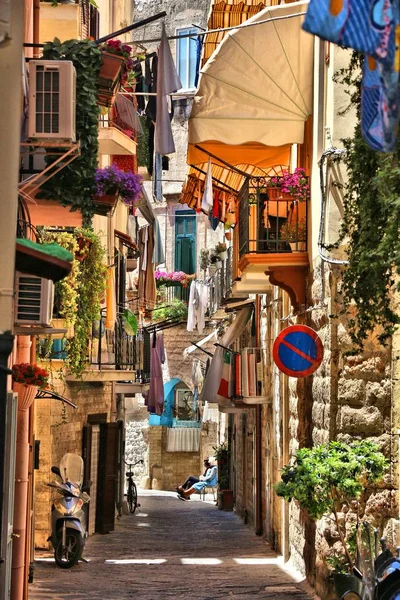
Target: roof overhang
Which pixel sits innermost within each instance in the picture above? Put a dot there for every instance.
(42, 260)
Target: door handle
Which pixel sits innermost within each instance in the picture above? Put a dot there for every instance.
(15, 535)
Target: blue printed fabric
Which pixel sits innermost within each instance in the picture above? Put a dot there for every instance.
(365, 25)
(379, 105)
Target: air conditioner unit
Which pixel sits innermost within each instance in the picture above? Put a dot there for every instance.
(52, 100)
(34, 299)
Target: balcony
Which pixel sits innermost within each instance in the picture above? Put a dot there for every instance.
(271, 240)
(113, 139)
(115, 355)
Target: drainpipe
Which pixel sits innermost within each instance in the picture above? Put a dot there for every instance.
(10, 102)
(258, 466)
(21, 485)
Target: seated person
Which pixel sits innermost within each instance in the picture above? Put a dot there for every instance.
(192, 479)
(207, 480)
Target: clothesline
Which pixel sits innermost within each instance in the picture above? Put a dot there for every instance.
(219, 30)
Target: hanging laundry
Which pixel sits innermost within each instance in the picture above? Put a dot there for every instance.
(154, 398)
(207, 199)
(157, 178)
(167, 83)
(151, 73)
(197, 306)
(147, 291)
(365, 25)
(379, 105)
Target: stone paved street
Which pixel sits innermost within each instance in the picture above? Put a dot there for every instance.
(170, 549)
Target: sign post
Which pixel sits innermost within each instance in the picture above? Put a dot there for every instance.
(298, 351)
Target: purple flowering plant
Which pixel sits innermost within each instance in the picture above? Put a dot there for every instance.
(296, 184)
(111, 180)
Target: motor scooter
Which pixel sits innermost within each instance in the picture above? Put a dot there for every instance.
(379, 572)
(68, 519)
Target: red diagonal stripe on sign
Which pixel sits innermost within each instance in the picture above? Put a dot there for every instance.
(299, 352)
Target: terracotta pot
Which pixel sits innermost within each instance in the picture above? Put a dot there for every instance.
(274, 193)
(104, 204)
(298, 246)
(26, 395)
(110, 70)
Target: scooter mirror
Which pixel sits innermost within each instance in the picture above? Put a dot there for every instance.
(56, 471)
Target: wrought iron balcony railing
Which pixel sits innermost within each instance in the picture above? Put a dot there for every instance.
(116, 349)
(270, 221)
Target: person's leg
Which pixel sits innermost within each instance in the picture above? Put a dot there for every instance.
(191, 480)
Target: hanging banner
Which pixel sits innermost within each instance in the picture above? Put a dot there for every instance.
(298, 351)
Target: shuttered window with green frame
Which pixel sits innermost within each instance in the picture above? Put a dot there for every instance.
(185, 241)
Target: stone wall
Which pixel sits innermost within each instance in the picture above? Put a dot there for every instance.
(59, 429)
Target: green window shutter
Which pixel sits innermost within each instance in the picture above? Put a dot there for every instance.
(185, 254)
(185, 242)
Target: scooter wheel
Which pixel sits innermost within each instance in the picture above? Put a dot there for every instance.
(69, 556)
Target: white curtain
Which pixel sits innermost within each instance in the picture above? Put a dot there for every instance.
(183, 439)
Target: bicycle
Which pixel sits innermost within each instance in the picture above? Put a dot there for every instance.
(131, 496)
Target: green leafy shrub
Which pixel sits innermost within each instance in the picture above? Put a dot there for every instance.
(330, 478)
(74, 184)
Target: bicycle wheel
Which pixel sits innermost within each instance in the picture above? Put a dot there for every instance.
(132, 497)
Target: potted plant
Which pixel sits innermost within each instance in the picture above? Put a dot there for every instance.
(177, 309)
(330, 481)
(225, 493)
(113, 183)
(204, 259)
(221, 250)
(293, 185)
(175, 278)
(117, 62)
(215, 260)
(28, 379)
(295, 233)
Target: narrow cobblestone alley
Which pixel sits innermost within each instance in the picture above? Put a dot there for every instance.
(170, 549)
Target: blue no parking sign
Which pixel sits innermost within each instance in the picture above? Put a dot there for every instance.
(298, 351)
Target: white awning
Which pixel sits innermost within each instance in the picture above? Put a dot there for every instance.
(257, 85)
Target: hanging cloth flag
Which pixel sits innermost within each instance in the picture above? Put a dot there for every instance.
(226, 386)
(213, 215)
(167, 83)
(207, 200)
(365, 25)
(379, 105)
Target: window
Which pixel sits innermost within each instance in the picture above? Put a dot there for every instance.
(185, 241)
(186, 57)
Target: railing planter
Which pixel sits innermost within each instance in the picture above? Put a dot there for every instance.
(275, 193)
(104, 204)
(109, 77)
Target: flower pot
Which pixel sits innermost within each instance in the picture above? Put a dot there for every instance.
(110, 70)
(225, 500)
(212, 269)
(275, 193)
(84, 247)
(104, 204)
(26, 395)
(218, 264)
(298, 246)
(223, 255)
(345, 582)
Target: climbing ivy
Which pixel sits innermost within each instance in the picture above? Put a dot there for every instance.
(370, 226)
(73, 185)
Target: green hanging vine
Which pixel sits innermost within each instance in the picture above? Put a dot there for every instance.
(370, 227)
(74, 184)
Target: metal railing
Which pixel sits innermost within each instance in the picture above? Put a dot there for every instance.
(269, 221)
(167, 293)
(116, 349)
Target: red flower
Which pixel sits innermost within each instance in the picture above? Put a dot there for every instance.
(28, 374)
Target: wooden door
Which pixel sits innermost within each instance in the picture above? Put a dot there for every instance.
(87, 463)
(107, 477)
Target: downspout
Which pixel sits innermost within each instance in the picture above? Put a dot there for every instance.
(21, 485)
(258, 511)
(10, 71)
